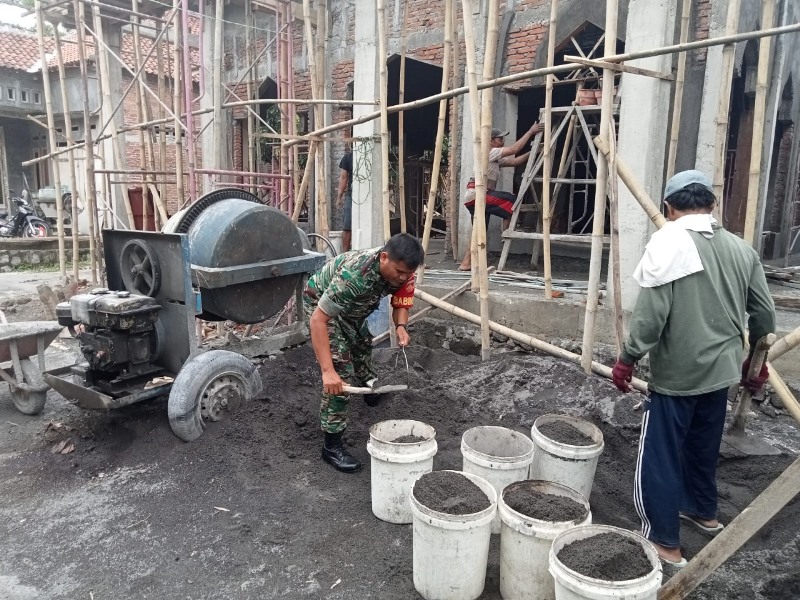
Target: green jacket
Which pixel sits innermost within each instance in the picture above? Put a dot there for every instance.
(694, 327)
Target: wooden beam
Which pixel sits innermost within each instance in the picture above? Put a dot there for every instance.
(547, 163)
(677, 99)
(729, 540)
(619, 68)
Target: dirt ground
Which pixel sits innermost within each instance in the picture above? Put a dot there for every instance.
(250, 511)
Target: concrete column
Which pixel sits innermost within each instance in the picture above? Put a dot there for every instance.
(643, 133)
(707, 132)
(367, 210)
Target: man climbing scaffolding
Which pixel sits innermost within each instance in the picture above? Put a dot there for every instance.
(337, 300)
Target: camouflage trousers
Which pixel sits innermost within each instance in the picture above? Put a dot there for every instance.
(351, 350)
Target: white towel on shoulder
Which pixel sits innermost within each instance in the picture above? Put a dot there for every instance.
(671, 253)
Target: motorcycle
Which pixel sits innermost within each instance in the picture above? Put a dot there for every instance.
(25, 223)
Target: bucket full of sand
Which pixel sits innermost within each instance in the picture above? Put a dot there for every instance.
(600, 562)
(499, 455)
(567, 451)
(453, 514)
(401, 452)
(533, 514)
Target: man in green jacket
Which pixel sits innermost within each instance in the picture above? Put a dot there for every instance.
(697, 281)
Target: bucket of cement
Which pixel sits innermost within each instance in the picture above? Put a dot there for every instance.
(401, 452)
(533, 514)
(453, 514)
(498, 455)
(600, 561)
(567, 450)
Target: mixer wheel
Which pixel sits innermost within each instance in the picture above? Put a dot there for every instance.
(139, 268)
(206, 387)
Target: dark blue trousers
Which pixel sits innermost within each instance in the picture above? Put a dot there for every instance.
(677, 463)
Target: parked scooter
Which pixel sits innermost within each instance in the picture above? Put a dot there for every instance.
(25, 223)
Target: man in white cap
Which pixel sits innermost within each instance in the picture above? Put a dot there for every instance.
(697, 281)
(497, 202)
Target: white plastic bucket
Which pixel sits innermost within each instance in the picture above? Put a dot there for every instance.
(498, 455)
(396, 466)
(571, 585)
(572, 466)
(451, 551)
(525, 544)
(335, 238)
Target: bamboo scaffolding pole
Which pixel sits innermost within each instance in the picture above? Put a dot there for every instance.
(384, 119)
(176, 104)
(598, 224)
(677, 100)
(73, 181)
(522, 338)
(251, 145)
(785, 344)
(323, 206)
(617, 58)
(784, 394)
(162, 91)
(102, 51)
(455, 132)
(633, 186)
(51, 137)
(765, 506)
(437, 153)
(401, 129)
(191, 156)
(284, 93)
(142, 112)
(757, 148)
(301, 192)
(547, 164)
(487, 102)
(723, 109)
(616, 279)
(91, 194)
(218, 131)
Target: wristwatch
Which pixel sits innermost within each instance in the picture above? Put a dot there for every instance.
(403, 325)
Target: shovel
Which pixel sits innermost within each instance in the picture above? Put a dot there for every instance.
(384, 389)
(736, 436)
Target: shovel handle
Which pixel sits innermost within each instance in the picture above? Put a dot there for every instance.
(756, 362)
(350, 389)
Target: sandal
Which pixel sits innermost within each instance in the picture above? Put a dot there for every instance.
(704, 529)
(675, 564)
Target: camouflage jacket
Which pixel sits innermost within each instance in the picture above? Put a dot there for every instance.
(350, 285)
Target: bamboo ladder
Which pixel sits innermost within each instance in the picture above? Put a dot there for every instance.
(575, 127)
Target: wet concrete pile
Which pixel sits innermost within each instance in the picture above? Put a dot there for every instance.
(250, 511)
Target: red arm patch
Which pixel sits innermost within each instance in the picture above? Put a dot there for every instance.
(404, 297)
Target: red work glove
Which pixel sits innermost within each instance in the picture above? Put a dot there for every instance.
(622, 374)
(753, 384)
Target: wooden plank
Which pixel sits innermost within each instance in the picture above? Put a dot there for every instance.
(734, 536)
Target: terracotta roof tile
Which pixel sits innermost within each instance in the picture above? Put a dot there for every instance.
(20, 50)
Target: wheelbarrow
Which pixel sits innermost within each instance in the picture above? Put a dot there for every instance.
(18, 342)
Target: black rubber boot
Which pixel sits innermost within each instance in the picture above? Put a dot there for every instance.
(334, 453)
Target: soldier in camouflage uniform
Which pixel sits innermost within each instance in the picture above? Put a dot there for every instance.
(337, 300)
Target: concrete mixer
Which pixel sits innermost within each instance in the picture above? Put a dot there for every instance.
(226, 257)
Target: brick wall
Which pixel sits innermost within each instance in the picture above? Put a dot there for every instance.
(521, 47)
(701, 27)
(133, 148)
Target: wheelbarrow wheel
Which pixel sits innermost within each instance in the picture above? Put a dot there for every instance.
(206, 387)
(28, 402)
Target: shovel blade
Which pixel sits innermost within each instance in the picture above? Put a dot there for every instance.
(752, 446)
